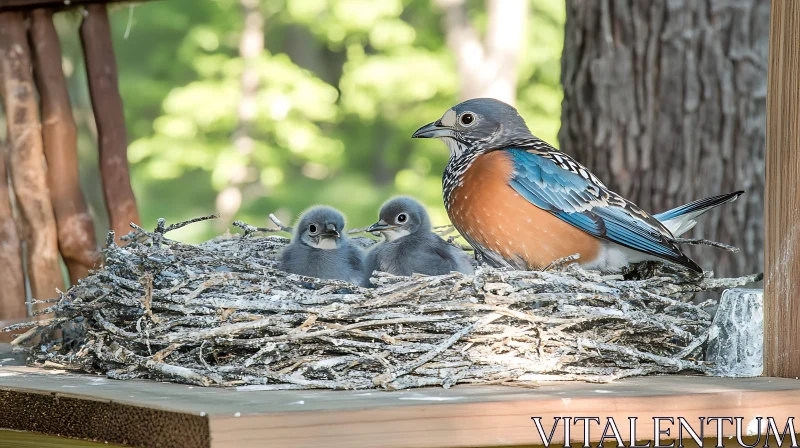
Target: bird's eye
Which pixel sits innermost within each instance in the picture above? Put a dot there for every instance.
(312, 229)
(467, 119)
(402, 217)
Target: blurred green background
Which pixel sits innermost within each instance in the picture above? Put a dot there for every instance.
(324, 113)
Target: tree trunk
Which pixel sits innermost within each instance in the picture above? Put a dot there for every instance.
(251, 47)
(490, 68)
(665, 101)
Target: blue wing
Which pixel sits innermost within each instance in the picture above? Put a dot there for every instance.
(559, 185)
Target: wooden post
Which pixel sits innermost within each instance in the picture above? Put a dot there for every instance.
(12, 293)
(782, 199)
(26, 161)
(108, 114)
(76, 239)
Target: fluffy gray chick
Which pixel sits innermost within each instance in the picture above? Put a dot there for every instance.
(410, 246)
(320, 248)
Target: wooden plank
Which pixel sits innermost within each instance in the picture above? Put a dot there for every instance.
(16, 5)
(507, 423)
(26, 161)
(489, 416)
(108, 114)
(782, 198)
(12, 294)
(76, 238)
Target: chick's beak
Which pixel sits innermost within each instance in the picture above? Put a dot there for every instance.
(330, 231)
(380, 226)
(433, 130)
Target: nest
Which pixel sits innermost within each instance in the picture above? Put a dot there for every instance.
(222, 314)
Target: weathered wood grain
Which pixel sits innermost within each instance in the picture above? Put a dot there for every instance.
(782, 270)
(76, 238)
(665, 101)
(26, 161)
(473, 416)
(101, 69)
(12, 294)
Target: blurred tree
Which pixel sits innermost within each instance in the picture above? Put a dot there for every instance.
(338, 89)
(489, 68)
(251, 45)
(666, 102)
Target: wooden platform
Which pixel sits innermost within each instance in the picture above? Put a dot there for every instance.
(148, 413)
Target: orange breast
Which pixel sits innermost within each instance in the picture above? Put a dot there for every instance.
(487, 211)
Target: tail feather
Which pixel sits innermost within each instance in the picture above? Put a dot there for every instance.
(681, 219)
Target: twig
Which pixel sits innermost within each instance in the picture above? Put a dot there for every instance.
(562, 262)
(191, 221)
(704, 242)
(223, 314)
(278, 223)
(384, 378)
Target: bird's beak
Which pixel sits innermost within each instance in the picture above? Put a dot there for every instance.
(330, 231)
(433, 130)
(380, 226)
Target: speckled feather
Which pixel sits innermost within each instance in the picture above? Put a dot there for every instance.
(504, 226)
(548, 180)
(560, 186)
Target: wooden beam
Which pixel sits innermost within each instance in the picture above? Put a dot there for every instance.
(76, 238)
(17, 5)
(12, 294)
(26, 161)
(108, 114)
(462, 416)
(782, 198)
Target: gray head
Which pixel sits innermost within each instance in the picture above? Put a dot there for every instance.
(483, 123)
(401, 216)
(320, 227)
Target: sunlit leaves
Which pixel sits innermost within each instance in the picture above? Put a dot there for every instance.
(387, 84)
(341, 87)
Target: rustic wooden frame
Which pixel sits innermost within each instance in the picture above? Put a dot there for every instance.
(53, 215)
(499, 420)
(27, 159)
(110, 118)
(782, 197)
(76, 238)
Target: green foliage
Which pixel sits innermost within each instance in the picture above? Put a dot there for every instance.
(342, 85)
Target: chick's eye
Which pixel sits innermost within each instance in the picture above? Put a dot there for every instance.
(467, 119)
(402, 217)
(312, 228)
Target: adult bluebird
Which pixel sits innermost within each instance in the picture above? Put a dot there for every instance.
(410, 246)
(319, 248)
(523, 204)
